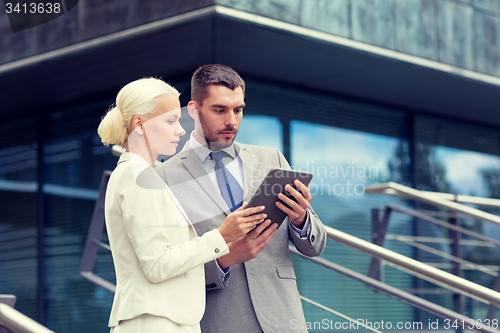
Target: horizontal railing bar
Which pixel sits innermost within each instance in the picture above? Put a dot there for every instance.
(444, 224)
(438, 213)
(422, 239)
(446, 265)
(19, 323)
(429, 291)
(321, 306)
(436, 282)
(428, 272)
(104, 245)
(445, 255)
(99, 281)
(401, 190)
(480, 201)
(393, 292)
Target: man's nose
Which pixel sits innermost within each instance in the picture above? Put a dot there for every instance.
(230, 119)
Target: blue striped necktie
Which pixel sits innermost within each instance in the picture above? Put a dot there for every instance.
(229, 187)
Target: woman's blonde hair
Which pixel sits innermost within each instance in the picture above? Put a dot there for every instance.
(140, 97)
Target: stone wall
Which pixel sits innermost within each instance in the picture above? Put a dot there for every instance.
(464, 33)
(89, 19)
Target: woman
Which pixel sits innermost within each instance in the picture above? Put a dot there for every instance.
(157, 255)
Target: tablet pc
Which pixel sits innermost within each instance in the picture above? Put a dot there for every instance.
(273, 184)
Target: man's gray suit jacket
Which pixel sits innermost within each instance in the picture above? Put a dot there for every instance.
(261, 294)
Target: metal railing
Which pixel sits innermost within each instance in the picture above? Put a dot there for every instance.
(417, 268)
(93, 242)
(440, 200)
(390, 291)
(19, 323)
(454, 209)
(436, 221)
(380, 234)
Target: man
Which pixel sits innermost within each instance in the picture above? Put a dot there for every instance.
(253, 288)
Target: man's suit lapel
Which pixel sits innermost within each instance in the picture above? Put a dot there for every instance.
(199, 174)
(251, 172)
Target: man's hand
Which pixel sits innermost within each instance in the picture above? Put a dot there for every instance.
(248, 246)
(298, 212)
(240, 222)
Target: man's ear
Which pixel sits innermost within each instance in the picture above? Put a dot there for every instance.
(136, 124)
(193, 109)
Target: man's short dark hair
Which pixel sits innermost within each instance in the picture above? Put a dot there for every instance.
(213, 74)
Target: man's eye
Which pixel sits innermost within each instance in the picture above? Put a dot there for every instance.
(238, 110)
(219, 111)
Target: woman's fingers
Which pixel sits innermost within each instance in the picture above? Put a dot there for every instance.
(242, 207)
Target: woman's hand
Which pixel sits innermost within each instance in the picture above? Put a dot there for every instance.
(240, 222)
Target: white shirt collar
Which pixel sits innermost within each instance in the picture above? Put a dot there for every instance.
(203, 151)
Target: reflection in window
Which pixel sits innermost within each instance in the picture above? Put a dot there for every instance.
(477, 174)
(18, 168)
(470, 173)
(344, 162)
(18, 211)
(261, 131)
(461, 158)
(73, 163)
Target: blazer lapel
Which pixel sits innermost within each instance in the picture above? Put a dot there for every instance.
(250, 172)
(199, 174)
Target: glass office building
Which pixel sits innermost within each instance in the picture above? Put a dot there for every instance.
(354, 111)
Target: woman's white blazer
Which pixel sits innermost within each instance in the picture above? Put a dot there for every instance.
(157, 255)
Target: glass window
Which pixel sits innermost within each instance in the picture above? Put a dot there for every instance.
(344, 162)
(469, 172)
(261, 131)
(74, 160)
(463, 159)
(18, 210)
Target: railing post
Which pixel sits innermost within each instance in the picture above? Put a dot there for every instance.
(375, 223)
(95, 230)
(456, 250)
(491, 307)
(379, 230)
(375, 270)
